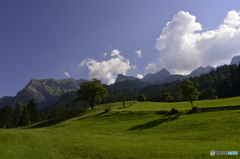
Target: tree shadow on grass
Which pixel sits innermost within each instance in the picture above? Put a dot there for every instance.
(155, 123)
(100, 114)
(50, 122)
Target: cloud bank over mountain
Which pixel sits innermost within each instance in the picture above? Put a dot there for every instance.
(183, 47)
(108, 69)
(139, 76)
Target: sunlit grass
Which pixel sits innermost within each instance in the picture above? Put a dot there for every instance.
(128, 133)
(156, 106)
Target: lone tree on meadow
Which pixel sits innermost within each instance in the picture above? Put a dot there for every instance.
(189, 91)
(92, 92)
(122, 96)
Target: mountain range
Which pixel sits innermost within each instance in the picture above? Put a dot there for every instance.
(164, 76)
(49, 92)
(45, 92)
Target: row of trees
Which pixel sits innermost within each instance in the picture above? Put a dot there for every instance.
(166, 97)
(188, 89)
(21, 115)
(93, 92)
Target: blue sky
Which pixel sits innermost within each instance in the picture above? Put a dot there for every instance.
(101, 38)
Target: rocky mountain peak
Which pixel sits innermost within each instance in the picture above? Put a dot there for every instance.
(160, 75)
(235, 60)
(45, 92)
(122, 77)
(200, 70)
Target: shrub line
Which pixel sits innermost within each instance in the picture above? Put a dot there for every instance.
(218, 108)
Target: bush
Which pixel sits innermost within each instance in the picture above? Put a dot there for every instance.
(166, 97)
(194, 110)
(162, 112)
(141, 98)
(107, 110)
(174, 111)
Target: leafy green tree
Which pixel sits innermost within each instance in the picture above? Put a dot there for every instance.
(141, 98)
(122, 97)
(189, 91)
(24, 118)
(7, 115)
(166, 97)
(211, 92)
(32, 110)
(16, 115)
(92, 92)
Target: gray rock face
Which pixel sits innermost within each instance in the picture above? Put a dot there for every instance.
(150, 78)
(201, 70)
(158, 76)
(45, 92)
(121, 78)
(235, 60)
(170, 79)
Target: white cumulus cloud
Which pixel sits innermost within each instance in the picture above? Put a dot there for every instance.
(182, 47)
(115, 52)
(233, 19)
(67, 74)
(105, 54)
(134, 66)
(107, 69)
(151, 68)
(139, 76)
(139, 53)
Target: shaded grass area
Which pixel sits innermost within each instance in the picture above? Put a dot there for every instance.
(96, 134)
(154, 123)
(50, 122)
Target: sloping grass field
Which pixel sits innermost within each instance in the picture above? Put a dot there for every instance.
(135, 132)
(156, 106)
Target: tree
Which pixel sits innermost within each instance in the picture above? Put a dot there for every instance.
(92, 92)
(189, 91)
(141, 98)
(7, 115)
(16, 115)
(24, 118)
(122, 97)
(211, 92)
(32, 110)
(166, 97)
(2, 123)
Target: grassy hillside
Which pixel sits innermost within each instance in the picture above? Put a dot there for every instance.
(154, 106)
(121, 134)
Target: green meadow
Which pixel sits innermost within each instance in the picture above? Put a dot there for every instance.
(135, 132)
(157, 106)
